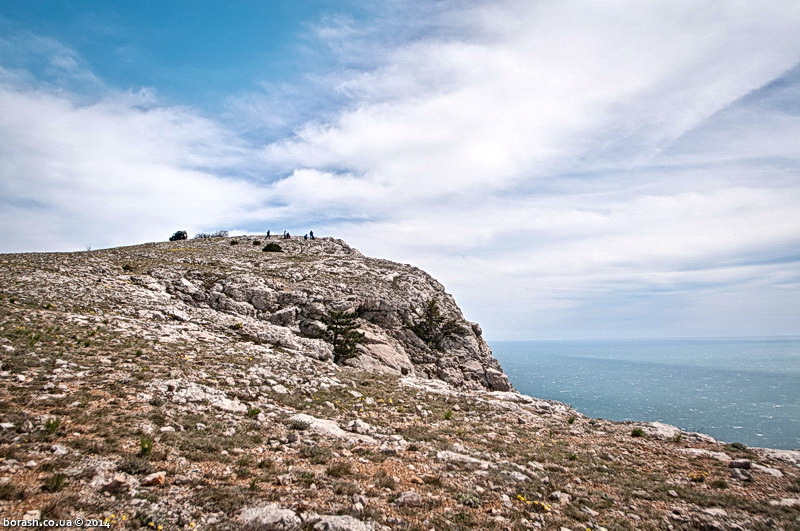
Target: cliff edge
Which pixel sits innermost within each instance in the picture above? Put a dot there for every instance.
(408, 325)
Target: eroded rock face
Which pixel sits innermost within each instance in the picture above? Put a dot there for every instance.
(411, 326)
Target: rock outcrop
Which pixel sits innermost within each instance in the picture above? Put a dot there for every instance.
(283, 299)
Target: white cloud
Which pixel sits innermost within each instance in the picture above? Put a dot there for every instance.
(112, 172)
(567, 155)
(565, 168)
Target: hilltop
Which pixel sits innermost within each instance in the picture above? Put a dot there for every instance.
(209, 384)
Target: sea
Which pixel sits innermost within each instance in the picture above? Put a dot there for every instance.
(736, 390)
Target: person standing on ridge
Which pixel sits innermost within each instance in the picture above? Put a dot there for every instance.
(268, 234)
(311, 233)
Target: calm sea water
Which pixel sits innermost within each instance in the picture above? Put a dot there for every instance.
(736, 390)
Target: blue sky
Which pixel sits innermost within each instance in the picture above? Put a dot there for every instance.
(195, 52)
(567, 169)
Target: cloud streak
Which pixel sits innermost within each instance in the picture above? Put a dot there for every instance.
(567, 169)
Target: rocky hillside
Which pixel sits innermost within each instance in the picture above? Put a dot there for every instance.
(229, 286)
(207, 384)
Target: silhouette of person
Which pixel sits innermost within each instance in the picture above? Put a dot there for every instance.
(268, 234)
(311, 233)
(305, 236)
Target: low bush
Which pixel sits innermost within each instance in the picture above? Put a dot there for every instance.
(135, 466)
(339, 469)
(272, 248)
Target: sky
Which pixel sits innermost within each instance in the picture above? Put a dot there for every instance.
(567, 169)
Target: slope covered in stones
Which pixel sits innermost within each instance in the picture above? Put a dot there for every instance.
(230, 286)
(181, 385)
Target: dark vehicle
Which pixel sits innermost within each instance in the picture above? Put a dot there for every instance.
(180, 235)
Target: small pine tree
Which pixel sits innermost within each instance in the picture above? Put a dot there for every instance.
(433, 327)
(343, 334)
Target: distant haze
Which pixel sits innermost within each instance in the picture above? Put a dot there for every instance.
(566, 169)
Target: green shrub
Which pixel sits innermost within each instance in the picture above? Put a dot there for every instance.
(52, 424)
(317, 455)
(571, 420)
(253, 412)
(448, 415)
(272, 248)
(145, 445)
(135, 466)
(385, 481)
(297, 424)
(470, 499)
(637, 432)
(55, 482)
(345, 488)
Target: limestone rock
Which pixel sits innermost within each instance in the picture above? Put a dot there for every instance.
(339, 523)
(330, 428)
(271, 516)
(408, 499)
(156, 478)
(741, 474)
(774, 472)
(454, 457)
(659, 430)
(702, 452)
(744, 464)
(786, 502)
(119, 483)
(287, 307)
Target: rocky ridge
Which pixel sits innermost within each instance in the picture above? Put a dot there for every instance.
(190, 385)
(278, 298)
